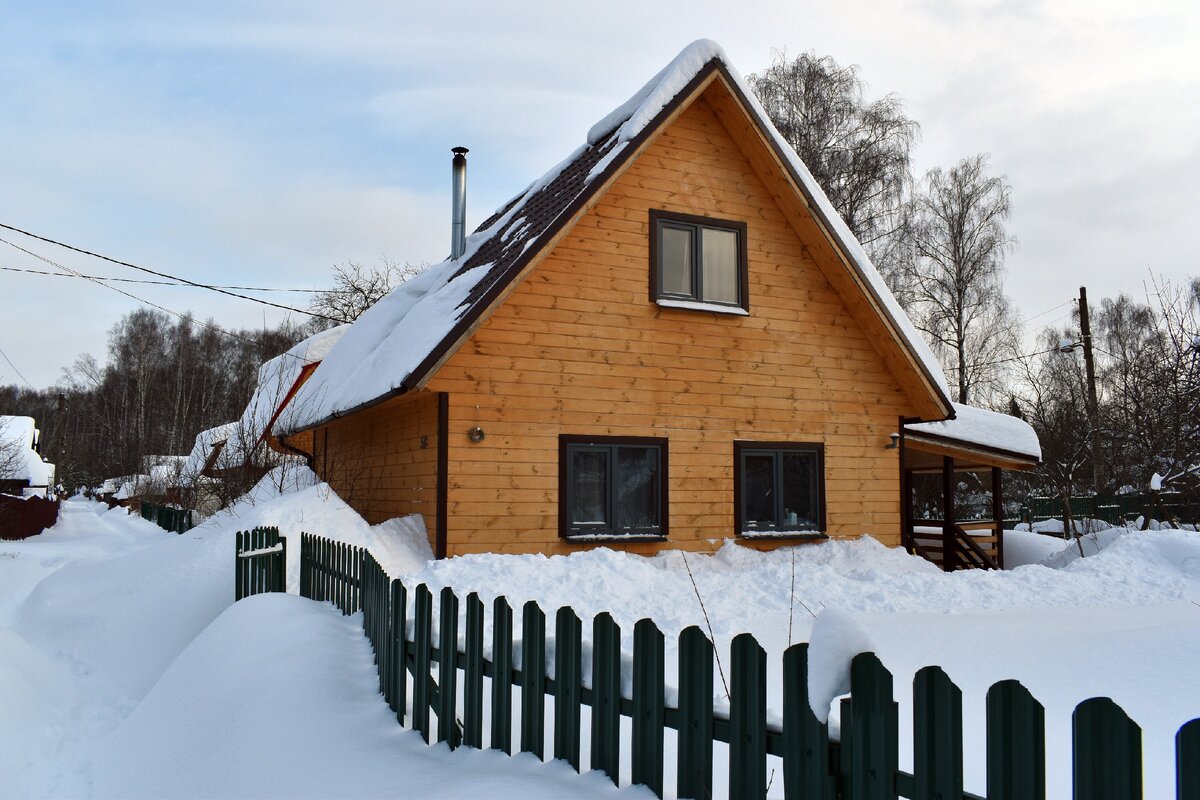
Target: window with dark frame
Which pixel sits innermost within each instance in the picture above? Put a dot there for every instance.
(612, 486)
(779, 487)
(698, 259)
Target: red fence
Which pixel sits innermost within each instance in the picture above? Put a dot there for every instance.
(22, 517)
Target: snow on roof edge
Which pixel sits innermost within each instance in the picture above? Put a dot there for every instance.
(991, 429)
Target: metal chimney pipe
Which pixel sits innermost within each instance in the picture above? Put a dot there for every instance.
(458, 210)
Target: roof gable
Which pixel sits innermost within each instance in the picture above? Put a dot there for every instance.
(400, 342)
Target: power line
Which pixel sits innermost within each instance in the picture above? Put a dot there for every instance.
(118, 262)
(1047, 311)
(99, 282)
(171, 283)
(1011, 358)
(14, 368)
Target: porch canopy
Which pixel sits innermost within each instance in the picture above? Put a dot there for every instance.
(976, 440)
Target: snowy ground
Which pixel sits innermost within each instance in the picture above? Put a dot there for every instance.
(126, 671)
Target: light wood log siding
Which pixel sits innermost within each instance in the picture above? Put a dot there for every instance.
(374, 460)
(578, 348)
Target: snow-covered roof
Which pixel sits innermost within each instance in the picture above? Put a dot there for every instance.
(394, 344)
(990, 429)
(202, 450)
(131, 486)
(21, 434)
(277, 377)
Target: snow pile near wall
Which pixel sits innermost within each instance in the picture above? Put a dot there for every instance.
(294, 500)
(279, 698)
(1024, 547)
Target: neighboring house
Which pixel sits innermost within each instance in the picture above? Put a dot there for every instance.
(228, 459)
(668, 340)
(23, 471)
(279, 380)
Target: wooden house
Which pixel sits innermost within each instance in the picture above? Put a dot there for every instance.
(668, 340)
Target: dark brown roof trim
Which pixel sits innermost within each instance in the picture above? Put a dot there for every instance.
(961, 444)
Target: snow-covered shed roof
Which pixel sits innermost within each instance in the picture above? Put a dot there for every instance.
(395, 345)
(21, 434)
(980, 428)
(206, 440)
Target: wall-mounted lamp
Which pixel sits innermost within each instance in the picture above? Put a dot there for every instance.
(476, 434)
(895, 442)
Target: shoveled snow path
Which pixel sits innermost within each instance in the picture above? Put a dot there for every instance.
(279, 698)
(115, 681)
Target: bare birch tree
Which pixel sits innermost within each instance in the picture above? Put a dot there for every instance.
(955, 241)
(857, 150)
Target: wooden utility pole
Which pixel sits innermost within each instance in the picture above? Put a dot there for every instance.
(1085, 330)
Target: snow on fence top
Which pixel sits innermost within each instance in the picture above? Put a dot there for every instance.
(986, 428)
(399, 336)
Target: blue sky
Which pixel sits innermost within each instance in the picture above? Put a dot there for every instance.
(262, 143)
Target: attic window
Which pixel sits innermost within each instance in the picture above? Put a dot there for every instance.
(698, 260)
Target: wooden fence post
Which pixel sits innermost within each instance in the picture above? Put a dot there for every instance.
(473, 674)
(502, 649)
(533, 680)
(870, 732)
(747, 720)
(1187, 761)
(937, 736)
(1108, 752)
(606, 696)
(1016, 744)
(399, 650)
(694, 778)
(568, 676)
(649, 700)
(806, 739)
(422, 623)
(447, 729)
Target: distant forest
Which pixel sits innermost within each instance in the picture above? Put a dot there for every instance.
(165, 380)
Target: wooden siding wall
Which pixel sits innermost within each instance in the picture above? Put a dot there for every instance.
(375, 462)
(579, 348)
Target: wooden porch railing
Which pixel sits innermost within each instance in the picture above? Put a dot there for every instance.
(953, 546)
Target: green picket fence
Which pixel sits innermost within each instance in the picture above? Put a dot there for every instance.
(177, 520)
(1112, 509)
(863, 765)
(261, 562)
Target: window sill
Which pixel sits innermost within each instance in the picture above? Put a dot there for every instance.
(614, 537)
(805, 536)
(693, 305)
